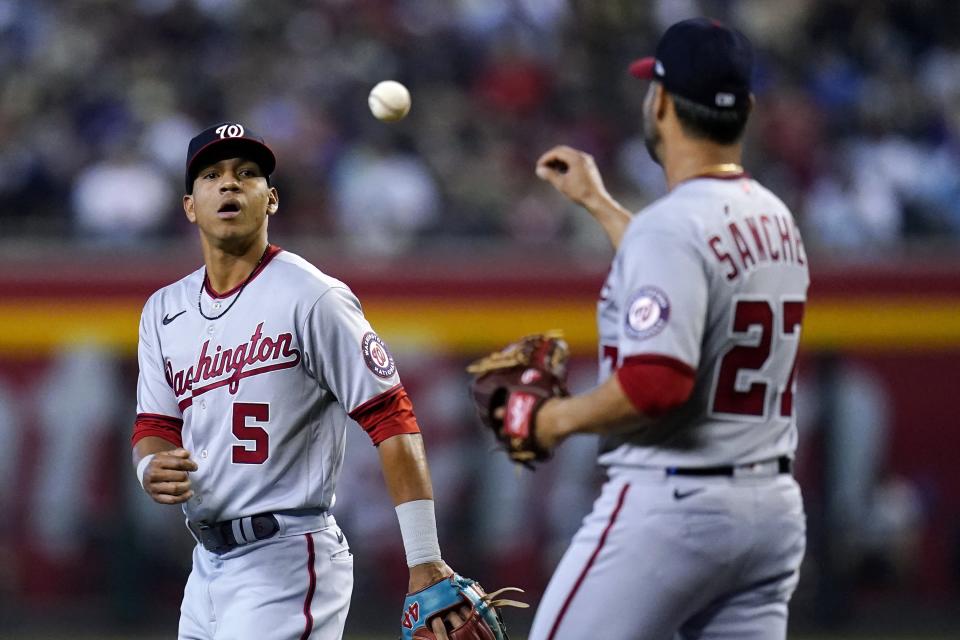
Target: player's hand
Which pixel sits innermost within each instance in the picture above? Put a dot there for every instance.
(574, 174)
(449, 621)
(546, 438)
(424, 575)
(167, 478)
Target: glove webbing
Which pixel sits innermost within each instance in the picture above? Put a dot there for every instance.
(514, 355)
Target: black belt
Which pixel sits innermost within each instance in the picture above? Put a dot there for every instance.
(221, 537)
(784, 465)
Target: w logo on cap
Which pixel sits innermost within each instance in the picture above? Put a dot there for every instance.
(226, 140)
(724, 99)
(230, 131)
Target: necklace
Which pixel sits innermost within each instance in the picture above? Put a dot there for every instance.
(722, 168)
(243, 285)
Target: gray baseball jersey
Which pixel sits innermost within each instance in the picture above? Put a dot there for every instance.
(264, 391)
(712, 278)
(711, 281)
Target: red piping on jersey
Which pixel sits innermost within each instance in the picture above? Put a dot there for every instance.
(593, 557)
(655, 384)
(159, 426)
(386, 415)
(272, 250)
(723, 176)
(311, 587)
(716, 176)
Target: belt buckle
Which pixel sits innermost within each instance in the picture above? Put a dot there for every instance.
(754, 469)
(212, 538)
(264, 526)
(744, 470)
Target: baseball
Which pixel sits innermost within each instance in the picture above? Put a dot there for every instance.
(389, 101)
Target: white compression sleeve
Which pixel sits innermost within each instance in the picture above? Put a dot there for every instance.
(418, 526)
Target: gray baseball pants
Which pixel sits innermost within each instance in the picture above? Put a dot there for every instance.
(676, 557)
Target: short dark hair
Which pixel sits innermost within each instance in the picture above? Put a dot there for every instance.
(723, 126)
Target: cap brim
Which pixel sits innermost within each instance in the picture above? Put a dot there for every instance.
(248, 147)
(643, 68)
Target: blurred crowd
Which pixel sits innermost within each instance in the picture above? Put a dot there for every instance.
(858, 125)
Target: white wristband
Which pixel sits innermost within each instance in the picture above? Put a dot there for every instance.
(418, 526)
(141, 467)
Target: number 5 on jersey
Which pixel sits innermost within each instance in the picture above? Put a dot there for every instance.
(753, 325)
(245, 432)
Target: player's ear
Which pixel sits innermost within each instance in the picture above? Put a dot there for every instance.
(661, 100)
(273, 201)
(188, 209)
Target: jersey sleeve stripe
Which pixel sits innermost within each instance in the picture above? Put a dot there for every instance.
(655, 388)
(386, 415)
(363, 408)
(152, 424)
(665, 361)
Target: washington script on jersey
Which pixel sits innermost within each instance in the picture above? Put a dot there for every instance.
(277, 350)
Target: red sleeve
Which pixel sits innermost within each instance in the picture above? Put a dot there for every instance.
(151, 424)
(386, 415)
(655, 384)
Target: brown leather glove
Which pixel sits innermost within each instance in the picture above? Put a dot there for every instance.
(511, 385)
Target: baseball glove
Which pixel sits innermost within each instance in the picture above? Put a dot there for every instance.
(511, 385)
(483, 621)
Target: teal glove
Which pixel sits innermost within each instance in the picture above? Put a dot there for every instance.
(449, 594)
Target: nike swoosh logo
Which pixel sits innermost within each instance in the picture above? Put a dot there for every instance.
(168, 319)
(680, 495)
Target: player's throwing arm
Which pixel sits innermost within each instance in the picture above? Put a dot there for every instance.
(574, 174)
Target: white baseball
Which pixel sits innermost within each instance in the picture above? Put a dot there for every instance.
(389, 101)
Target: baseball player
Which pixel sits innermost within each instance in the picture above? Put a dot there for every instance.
(251, 369)
(699, 530)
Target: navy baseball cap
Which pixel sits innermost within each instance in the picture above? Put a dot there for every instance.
(702, 60)
(227, 140)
